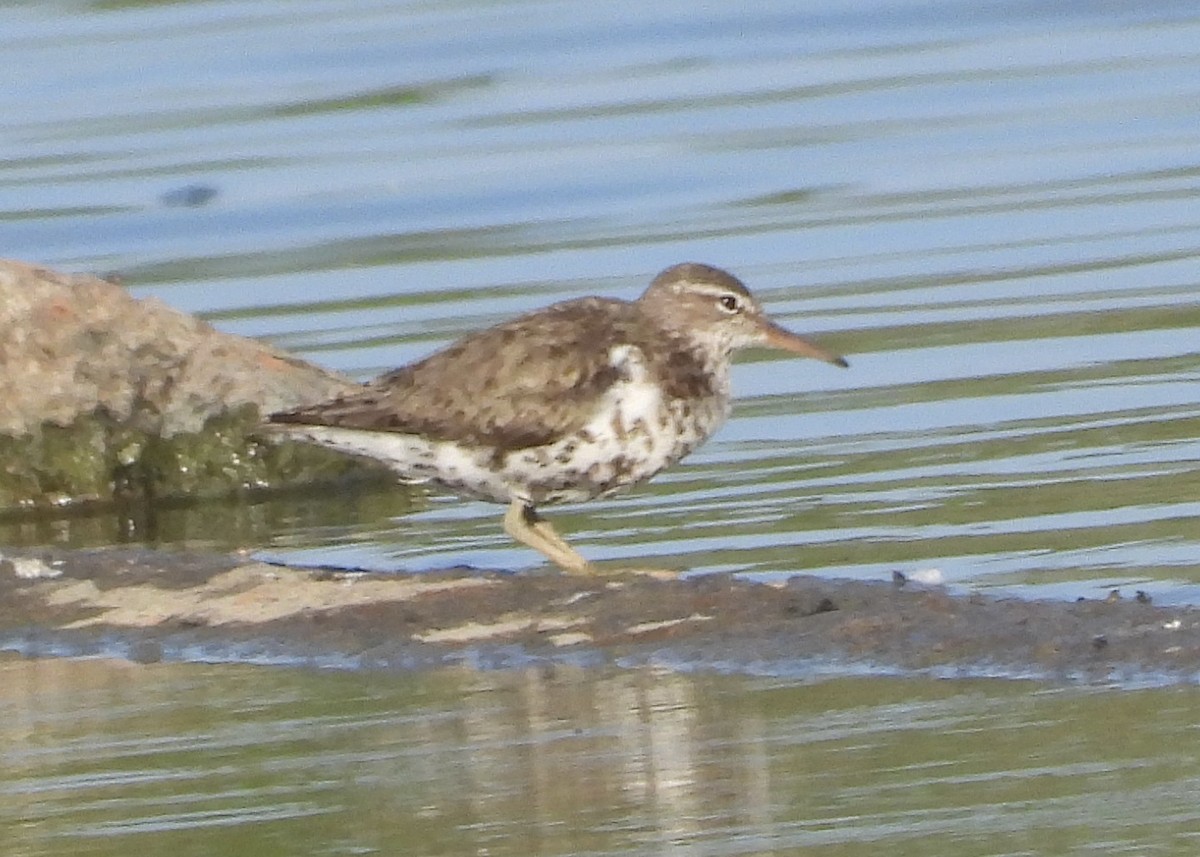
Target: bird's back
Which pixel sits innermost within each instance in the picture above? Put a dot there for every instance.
(524, 383)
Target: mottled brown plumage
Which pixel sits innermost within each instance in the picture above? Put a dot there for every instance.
(524, 383)
(581, 399)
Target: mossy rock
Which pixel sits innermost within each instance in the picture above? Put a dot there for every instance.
(96, 459)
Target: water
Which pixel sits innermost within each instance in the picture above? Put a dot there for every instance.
(108, 758)
(993, 209)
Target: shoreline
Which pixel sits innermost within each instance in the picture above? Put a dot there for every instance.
(148, 606)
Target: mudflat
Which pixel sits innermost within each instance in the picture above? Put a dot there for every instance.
(152, 605)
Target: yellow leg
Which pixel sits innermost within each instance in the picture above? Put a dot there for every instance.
(523, 524)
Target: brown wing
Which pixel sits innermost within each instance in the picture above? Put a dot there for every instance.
(520, 384)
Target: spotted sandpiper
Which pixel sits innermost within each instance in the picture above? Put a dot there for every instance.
(582, 399)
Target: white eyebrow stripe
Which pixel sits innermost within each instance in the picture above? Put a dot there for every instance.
(710, 289)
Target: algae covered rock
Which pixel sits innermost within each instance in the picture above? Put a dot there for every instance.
(106, 397)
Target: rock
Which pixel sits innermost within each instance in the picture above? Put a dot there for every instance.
(104, 396)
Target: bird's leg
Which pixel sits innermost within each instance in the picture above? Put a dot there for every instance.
(523, 524)
(546, 529)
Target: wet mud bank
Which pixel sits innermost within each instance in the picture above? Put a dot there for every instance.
(151, 606)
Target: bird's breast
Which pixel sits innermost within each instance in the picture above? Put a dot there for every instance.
(635, 429)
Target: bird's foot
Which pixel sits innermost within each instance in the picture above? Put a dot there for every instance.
(523, 524)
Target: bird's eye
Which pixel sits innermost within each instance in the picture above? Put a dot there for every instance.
(729, 303)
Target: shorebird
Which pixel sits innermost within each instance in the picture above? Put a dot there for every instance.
(585, 398)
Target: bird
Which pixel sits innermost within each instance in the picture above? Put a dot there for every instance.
(582, 399)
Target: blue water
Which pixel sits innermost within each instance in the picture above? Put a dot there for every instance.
(991, 209)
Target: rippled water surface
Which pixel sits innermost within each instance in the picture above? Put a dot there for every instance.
(104, 758)
(995, 211)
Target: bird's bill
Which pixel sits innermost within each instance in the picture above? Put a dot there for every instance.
(775, 336)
